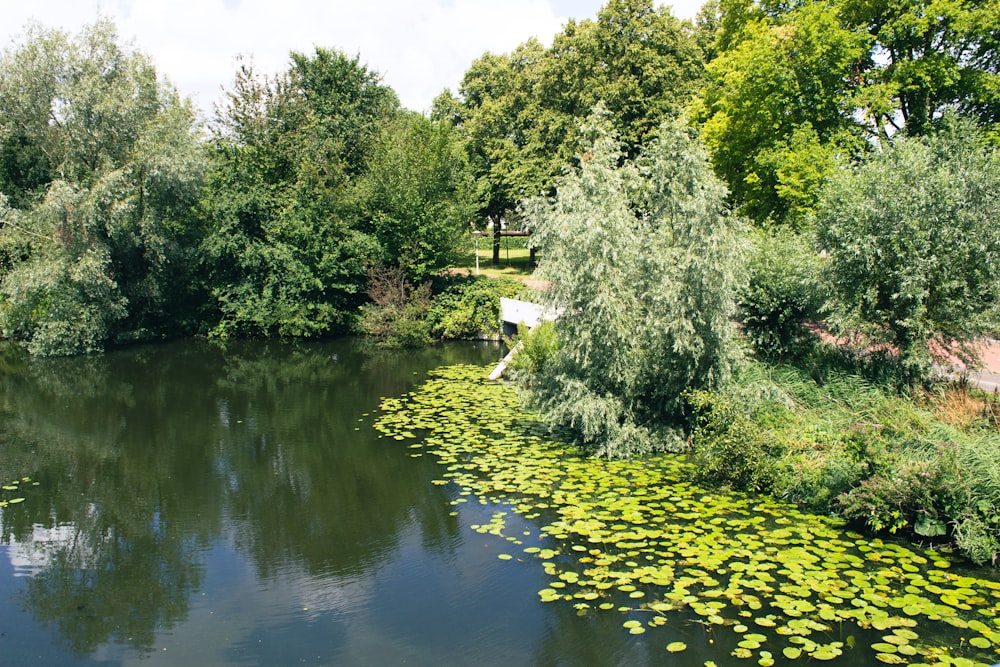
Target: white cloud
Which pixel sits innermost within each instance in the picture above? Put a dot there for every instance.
(420, 47)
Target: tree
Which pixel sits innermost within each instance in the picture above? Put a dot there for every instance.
(644, 264)
(778, 108)
(933, 54)
(103, 166)
(416, 195)
(520, 112)
(636, 58)
(493, 119)
(783, 290)
(797, 85)
(914, 245)
(284, 252)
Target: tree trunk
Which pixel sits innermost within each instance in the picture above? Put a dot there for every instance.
(496, 240)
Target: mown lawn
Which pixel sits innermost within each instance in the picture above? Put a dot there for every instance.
(513, 262)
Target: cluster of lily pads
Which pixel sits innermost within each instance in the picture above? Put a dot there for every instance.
(744, 577)
(17, 486)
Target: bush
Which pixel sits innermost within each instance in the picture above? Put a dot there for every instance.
(782, 292)
(973, 487)
(729, 446)
(536, 349)
(914, 245)
(847, 444)
(907, 496)
(468, 307)
(397, 314)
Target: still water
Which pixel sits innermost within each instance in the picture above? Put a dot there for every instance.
(191, 504)
(201, 505)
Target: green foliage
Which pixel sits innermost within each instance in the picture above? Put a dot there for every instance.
(778, 106)
(854, 447)
(317, 177)
(460, 308)
(467, 308)
(284, 254)
(974, 498)
(99, 250)
(397, 314)
(936, 54)
(914, 245)
(535, 347)
(730, 448)
(519, 112)
(416, 195)
(644, 265)
(903, 497)
(794, 85)
(636, 58)
(783, 290)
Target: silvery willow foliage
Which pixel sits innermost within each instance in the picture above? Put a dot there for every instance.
(914, 244)
(644, 261)
(102, 164)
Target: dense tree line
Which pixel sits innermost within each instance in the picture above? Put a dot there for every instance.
(123, 218)
(100, 167)
(519, 114)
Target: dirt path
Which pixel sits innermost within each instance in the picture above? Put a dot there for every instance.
(988, 377)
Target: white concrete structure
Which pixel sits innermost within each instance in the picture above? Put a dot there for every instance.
(513, 313)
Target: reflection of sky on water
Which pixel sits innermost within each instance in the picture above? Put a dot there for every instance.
(455, 607)
(31, 556)
(214, 522)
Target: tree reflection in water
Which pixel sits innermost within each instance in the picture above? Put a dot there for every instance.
(145, 457)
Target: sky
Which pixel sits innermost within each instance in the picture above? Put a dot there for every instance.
(420, 47)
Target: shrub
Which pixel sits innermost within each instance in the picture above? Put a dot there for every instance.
(783, 290)
(729, 446)
(468, 307)
(978, 539)
(397, 314)
(536, 349)
(973, 487)
(914, 245)
(908, 495)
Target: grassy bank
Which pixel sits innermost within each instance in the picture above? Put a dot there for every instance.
(923, 462)
(514, 262)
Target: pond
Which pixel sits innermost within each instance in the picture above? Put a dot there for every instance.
(320, 504)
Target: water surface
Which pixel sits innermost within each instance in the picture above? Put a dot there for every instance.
(202, 505)
(191, 504)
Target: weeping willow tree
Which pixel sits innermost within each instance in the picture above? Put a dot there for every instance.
(644, 262)
(101, 163)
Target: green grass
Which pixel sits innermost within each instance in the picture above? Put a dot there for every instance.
(513, 262)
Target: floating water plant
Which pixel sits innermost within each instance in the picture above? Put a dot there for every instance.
(17, 486)
(760, 579)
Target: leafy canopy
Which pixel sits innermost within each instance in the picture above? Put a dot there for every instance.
(416, 195)
(778, 107)
(101, 163)
(519, 113)
(792, 86)
(283, 253)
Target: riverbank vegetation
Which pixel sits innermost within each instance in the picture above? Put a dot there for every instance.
(714, 575)
(698, 193)
(824, 434)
